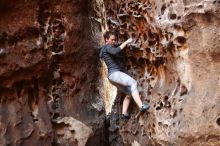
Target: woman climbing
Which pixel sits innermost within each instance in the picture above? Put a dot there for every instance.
(109, 53)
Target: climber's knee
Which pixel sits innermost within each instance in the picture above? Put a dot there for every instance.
(134, 86)
(128, 97)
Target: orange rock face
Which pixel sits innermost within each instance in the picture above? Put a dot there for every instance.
(53, 93)
(175, 59)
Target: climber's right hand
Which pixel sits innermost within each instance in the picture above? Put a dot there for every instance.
(129, 40)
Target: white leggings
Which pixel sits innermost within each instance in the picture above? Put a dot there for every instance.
(124, 82)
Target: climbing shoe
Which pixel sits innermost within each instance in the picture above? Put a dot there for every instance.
(125, 116)
(144, 107)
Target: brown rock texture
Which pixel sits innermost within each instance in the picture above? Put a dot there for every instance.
(175, 59)
(49, 73)
(53, 86)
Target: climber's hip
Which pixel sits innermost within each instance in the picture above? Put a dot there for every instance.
(124, 82)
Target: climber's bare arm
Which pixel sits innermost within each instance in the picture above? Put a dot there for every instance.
(128, 41)
(115, 50)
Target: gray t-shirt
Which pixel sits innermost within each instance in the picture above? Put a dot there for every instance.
(111, 58)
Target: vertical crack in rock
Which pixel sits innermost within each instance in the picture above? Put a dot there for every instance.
(52, 32)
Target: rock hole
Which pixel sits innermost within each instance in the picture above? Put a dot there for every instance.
(35, 119)
(183, 91)
(151, 35)
(163, 9)
(218, 121)
(158, 108)
(177, 27)
(145, 37)
(159, 123)
(200, 6)
(173, 16)
(56, 115)
(141, 61)
(173, 113)
(51, 114)
(181, 39)
(166, 98)
(152, 43)
(170, 46)
(180, 100)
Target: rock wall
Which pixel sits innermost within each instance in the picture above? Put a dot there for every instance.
(54, 90)
(175, 59)
(49, 93)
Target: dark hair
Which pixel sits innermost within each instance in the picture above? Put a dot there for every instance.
(107, 34)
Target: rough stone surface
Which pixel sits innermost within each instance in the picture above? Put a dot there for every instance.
(53, 87)
(49, 93)
(175, 59)
(70, 130)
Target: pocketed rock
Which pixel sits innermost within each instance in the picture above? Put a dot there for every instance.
(49, 72)
(177, 68)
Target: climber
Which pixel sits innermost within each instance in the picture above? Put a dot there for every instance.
(117, 76)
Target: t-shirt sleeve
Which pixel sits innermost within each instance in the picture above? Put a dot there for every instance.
(113, 50)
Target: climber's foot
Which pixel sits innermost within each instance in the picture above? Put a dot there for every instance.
(125, 116)
(144, 107)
